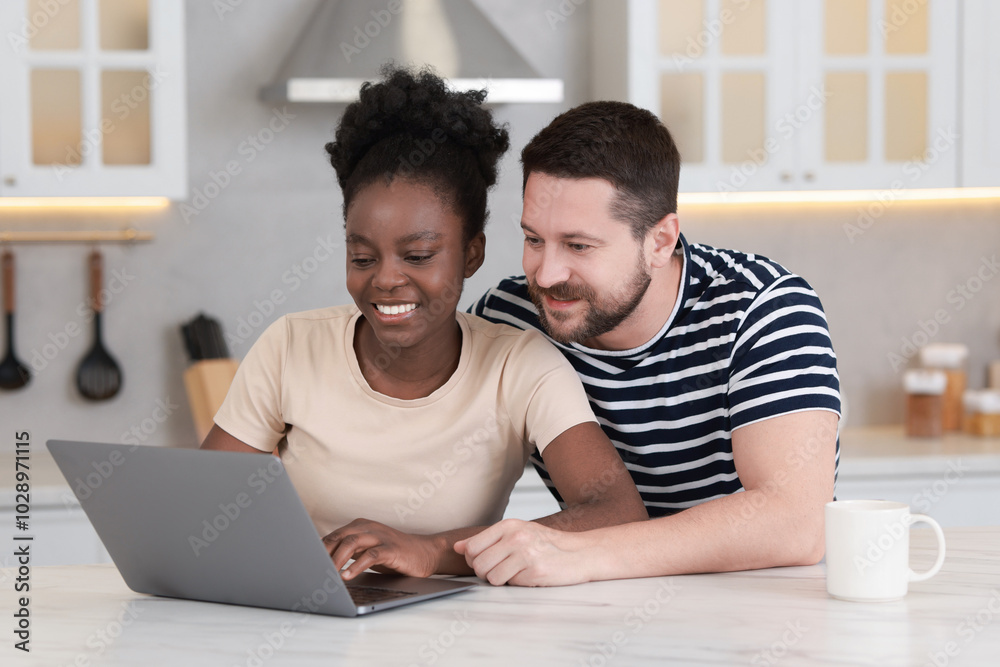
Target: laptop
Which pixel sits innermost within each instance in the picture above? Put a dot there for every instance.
(220, 527)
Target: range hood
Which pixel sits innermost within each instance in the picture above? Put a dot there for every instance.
(344, 43)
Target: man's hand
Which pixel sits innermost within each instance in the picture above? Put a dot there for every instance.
(375, 545)
(526, 553)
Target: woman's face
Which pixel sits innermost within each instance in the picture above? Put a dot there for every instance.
(406, 261)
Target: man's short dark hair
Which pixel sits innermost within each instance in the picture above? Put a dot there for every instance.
(620, 143)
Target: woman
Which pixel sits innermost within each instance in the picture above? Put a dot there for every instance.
(398, 408)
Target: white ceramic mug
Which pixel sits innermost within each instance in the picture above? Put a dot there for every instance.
(868, 549)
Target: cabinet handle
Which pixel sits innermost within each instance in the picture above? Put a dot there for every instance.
(786, 176)
(809, 176)
(10, 181)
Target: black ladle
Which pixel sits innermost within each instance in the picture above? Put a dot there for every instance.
(98, 377)
(13, 374)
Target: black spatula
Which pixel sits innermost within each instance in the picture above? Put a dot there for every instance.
(98, 377)
(13, 374)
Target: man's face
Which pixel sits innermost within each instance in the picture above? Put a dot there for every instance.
(586, 272)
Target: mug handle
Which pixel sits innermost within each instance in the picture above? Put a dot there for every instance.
(923, 576)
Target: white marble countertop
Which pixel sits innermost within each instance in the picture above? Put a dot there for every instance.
(84, 615)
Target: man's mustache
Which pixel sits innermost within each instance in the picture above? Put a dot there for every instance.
(561, 291)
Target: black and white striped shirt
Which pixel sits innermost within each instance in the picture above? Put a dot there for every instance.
(747, 341)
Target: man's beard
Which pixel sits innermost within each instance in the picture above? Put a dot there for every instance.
(600, 316)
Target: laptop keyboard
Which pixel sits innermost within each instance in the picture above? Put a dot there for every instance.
(365, 595)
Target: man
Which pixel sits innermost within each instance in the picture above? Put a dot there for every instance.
(712, 371)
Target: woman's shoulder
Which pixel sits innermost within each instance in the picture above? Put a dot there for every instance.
(492, 338)
(330, 313)
(307, 323)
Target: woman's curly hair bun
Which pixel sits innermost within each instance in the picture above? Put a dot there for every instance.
(410, 124)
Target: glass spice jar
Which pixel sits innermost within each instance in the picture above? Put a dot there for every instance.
(949, 358)
(925, 391)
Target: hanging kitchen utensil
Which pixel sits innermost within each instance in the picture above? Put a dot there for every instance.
(13, 374)
(98, 377)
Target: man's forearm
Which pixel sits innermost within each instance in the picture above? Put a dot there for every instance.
(744, 531)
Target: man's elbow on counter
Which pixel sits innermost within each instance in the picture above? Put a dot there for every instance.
(808, 548)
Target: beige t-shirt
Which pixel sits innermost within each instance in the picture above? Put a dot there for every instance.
(445, 461)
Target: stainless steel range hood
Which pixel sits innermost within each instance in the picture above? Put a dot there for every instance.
(344, 44)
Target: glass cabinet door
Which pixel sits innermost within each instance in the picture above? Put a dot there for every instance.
(724, 83)
(791, 94)
(98, 101)
(888, 69)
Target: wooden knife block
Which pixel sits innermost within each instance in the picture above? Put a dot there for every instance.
(207, 383)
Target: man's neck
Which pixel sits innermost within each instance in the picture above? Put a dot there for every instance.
(651, 314)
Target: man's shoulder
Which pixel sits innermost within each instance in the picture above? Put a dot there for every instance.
(508, 303)
(723, 265)
(516, 286)
(737, 279)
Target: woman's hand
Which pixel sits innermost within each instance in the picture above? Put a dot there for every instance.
(377, 546)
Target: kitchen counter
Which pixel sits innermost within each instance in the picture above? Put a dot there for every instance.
(885, 449)
(82, 615)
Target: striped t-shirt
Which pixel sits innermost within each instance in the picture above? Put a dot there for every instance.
(747, 341)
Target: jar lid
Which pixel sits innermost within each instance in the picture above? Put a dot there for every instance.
(989, 402)
(970, 400)
(943, 355)
(924, 381)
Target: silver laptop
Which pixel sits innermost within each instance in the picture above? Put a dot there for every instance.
(220, 527)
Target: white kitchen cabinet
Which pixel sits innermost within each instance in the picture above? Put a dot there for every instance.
(94, 98)
(974, 500)
(790, 94)
(62, 536)
(981, 93)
